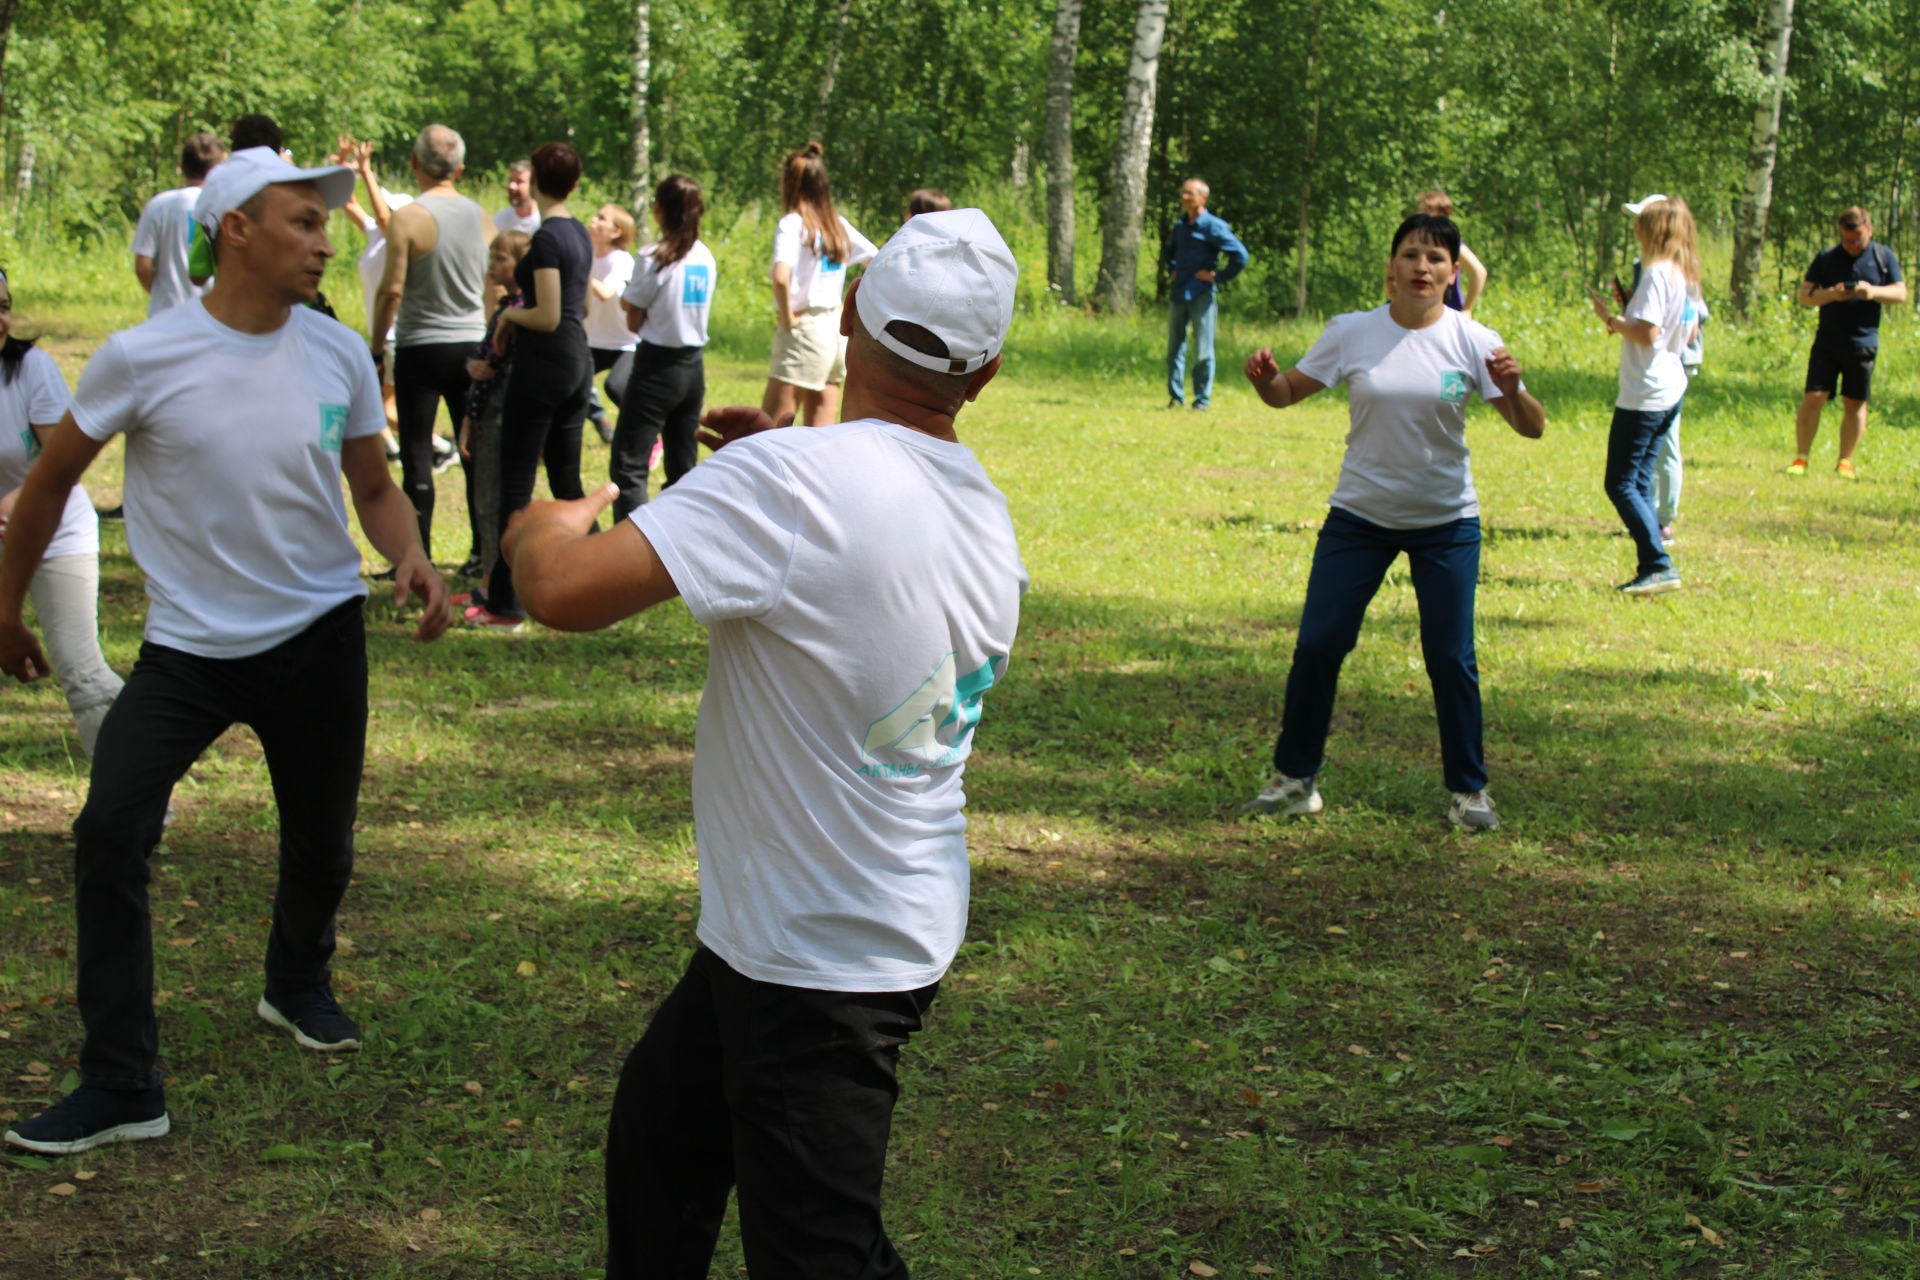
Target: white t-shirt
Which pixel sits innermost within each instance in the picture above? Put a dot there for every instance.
(373, 258)
(233, 486)
(38, 394)
(814, 282)
(676, 299)
(606, 324)
(860, 585)
(1407, 391)
(508, 220)
(161, 234)
(1653, 378)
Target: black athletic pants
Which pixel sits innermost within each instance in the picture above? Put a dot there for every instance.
(661, 398)
(540, 417)
(423, 376)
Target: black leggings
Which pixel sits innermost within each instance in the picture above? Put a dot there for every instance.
(541, 415)
(423, 376)
(661, 398)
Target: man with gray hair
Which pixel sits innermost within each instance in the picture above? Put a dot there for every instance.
(432, 295)
(1193, 269)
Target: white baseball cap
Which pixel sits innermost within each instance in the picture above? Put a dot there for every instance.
(242, 176)
(951, 274)
(1635, 206)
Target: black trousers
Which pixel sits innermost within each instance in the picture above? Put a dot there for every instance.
(662, 396)
(787, 1093)
(423, 377)
(307, 699)
(541, 414)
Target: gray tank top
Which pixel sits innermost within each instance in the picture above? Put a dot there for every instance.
(445, 295)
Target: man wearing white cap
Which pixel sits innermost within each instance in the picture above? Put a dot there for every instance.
(243, 411)
(861, 586)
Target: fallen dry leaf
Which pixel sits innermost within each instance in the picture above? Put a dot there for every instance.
(429, 1215)
(1200, 1268)
(1590, 1188)
(526, 968)
(85, 1175)
(1501, 1140)
(1261, 1269)
(1357, 1050)
(39, 1069)
(1336, 930)
(514, 1124)
(1566, 1224)
(473, 1087)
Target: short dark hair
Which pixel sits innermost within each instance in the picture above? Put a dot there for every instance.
(200, 153)
(257, 131)
(1854, 218)
(928, 200)
(556, 169)
(1431, 227)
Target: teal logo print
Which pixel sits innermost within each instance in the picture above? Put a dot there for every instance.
(931, 728)
(31, 443)
(1454, 387)
(333, 426)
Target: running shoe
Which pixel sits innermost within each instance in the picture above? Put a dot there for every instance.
(90, 1117)
(1798, 467)
(1295, 797)
(1844, 469)
(313, 1016)
(477, 615)
(1652, 584)
(1473, 810)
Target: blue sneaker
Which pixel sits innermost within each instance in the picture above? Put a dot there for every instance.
(1652, 584)
(314, 1018)
(90, 1117)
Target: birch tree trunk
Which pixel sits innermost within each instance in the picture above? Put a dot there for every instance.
(1127, 179)
(1066, 49)
(7, 9)
(1763, 147)
(640, 161)
(832, 72)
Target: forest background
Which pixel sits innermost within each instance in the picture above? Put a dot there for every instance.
(1315, 121)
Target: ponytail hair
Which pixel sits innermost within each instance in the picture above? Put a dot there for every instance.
(804, 190)
(681, 204)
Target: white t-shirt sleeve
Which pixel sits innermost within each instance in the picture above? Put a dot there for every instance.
(1654, 300)
(46, 390)
(1325, 362)
(644, 285)
(366, 415)
(619, 268)
(1485, 342)
(105, 405)
(725, 532)
(146, 233)
(786, 240)
(861, 249)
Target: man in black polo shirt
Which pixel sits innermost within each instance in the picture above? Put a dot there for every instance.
(1848, 283)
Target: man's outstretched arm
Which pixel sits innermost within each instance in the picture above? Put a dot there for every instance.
(575, 582)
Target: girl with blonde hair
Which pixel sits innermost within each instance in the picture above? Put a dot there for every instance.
(812, 248)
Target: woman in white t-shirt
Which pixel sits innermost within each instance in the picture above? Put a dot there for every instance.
(812, 248)
(1658, 320)
(667, 302)
(608, 335)
(1405, 486)
(66, 587)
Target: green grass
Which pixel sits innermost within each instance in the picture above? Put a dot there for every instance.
(1661, 1022)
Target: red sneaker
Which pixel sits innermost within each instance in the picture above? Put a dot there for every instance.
(478, 616)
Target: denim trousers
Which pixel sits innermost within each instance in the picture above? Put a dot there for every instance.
(1632, 444)
(786, 1094)
(1350, 560)
(1668, 466)
(664, 391)
(1200, 312)
(306, 698)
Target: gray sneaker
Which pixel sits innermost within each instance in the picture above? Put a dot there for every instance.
(1653, 584)
(1295, 797)
(1473, 810)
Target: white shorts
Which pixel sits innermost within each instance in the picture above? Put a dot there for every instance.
(812, 355)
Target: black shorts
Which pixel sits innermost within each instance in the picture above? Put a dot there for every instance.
(1846, 363)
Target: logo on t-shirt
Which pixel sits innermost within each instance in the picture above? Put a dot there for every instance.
(931, 728)
(333, 426)
(1454, 387)
(31, 441)
(696, 286)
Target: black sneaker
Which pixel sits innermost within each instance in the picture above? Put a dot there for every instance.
(314, 1017)
(112, 513)
(90, 1117)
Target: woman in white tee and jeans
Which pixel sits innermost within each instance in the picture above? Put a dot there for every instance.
(1405, 486)
(812, 248)
(66, 587)
(1654, 328)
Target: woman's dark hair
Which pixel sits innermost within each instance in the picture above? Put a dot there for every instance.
(1430, 227)
(681, 205)
(556, 170)
(14, 349)
(804, 190)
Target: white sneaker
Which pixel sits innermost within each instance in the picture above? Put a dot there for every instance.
(1473, 810)
(1295, 797)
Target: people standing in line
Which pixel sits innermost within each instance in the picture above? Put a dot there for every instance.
(1849, 283)
(1654, 328)
(1405, 486)
(244, 412)
(861, 587)
(431, 297)
(522, 212)
(162, 236)
(812, 248)
(545, 403)
(1192, 258)
(609, 336)
(489, 368)
(1465, 292)
(667, 302)
(66, 585)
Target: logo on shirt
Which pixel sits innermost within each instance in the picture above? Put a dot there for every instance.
(1454, 387)
(31, 441)
(696, 286)
(930, 729)
(333, 426)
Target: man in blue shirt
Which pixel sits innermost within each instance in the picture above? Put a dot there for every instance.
(1848, 283)
(1192, 261)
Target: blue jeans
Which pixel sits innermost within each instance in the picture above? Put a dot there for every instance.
(1631, 445)
(1667, 466)
(1200, 311)
(1350, 559)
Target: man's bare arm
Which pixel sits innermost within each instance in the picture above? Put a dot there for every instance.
(572, 581)
(64, 458)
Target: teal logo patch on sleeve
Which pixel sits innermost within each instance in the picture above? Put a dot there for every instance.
(1454, 387)
(31, 441)
(333, 426)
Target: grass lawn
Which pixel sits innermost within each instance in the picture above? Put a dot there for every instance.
(1662, 1021)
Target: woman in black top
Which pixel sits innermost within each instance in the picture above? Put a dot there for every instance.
(545, 404)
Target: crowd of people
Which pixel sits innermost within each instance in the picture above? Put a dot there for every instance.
(860, 583)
